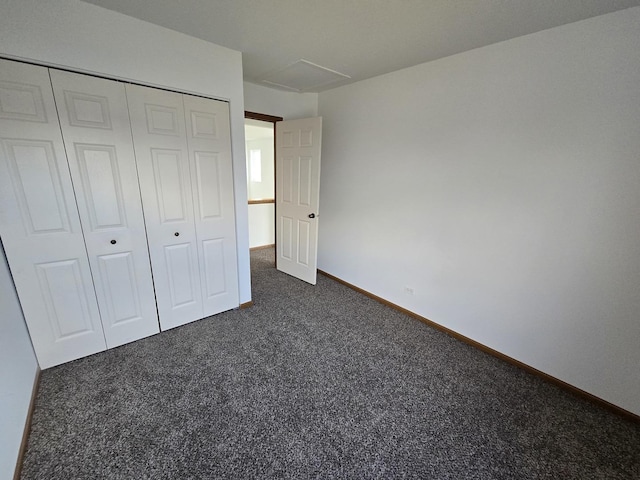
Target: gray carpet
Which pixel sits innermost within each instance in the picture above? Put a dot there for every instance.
(315, 382)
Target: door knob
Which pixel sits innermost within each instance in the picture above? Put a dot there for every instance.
(312, 215)
(177, 234)
(113, 242)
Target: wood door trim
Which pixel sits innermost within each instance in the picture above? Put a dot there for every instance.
(262, 116)
(528, 368)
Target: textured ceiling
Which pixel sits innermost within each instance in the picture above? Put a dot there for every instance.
(355, 38)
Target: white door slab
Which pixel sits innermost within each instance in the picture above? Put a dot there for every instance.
(39, 221)
(95, 126)
(209, 145)
(160, 144)
(298, 150)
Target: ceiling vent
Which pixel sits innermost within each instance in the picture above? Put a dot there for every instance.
(303, 76)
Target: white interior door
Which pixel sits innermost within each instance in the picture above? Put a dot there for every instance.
(97, 134)
(160, 143)
(39, 221)
(209, 144)
(298, 152)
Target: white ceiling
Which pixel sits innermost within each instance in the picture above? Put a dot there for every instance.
(351, 40)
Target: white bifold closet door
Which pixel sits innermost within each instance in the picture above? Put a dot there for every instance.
(39, 221)
(182, 147)
(97, 134)
(209, 146)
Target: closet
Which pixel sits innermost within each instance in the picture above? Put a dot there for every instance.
(116, 208)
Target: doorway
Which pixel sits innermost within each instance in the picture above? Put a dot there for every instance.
(260, 132)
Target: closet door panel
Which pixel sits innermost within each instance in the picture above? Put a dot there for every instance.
(97, 134)
(157, 120)
(39, 221)
(209, 142)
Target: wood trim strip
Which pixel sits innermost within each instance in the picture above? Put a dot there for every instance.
(528, 368)
(262, 116)
(27, 426)
(246, 305)
(262, 247)
(259, 202)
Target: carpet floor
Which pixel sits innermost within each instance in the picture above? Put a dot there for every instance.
(315, 382)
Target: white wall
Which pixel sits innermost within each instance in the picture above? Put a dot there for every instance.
(262, 221)
(87, 38)
(502, 186)
(262, 216)
(18, 368)
(265, 188)
(288, 105)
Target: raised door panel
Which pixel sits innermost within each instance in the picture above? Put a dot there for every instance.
(99, 179)
(213, 254)
(209, 144)
(180, 274)
(65, 297)
(297, 196)
(37, 186)
(158, 126)
(39, 221)
(170, 186)
(285, 239)
(123, 299)
(97, 134)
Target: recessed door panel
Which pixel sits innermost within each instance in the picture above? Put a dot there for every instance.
(39, 221)
(94, 120)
